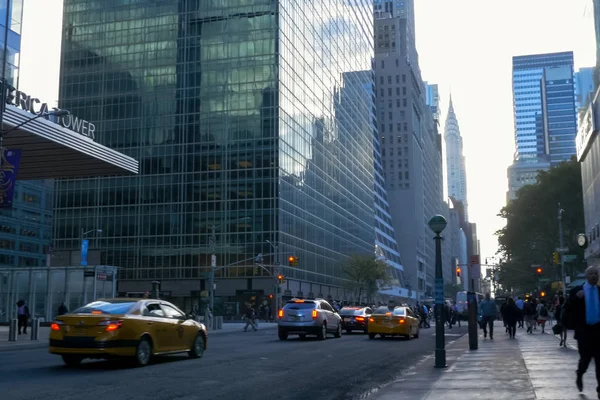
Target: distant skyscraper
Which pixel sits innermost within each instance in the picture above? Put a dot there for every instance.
(544, 112)
(584, 86)
(455, 160)
(432, 98)
(559, 113)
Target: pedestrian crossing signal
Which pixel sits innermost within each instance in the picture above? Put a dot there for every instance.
(280, 278)
(458, 272)
(538, 271)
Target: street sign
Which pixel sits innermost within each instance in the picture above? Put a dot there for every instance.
(88, 274)
(213, 260)
(84, 252)
(562, 249)
(569, 257)
(475, 259)
(545, 279)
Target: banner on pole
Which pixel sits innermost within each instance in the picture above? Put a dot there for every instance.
(9, 166)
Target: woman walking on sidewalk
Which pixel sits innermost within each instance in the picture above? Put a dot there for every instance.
(560, 326)
(511, 315)
(543, 314)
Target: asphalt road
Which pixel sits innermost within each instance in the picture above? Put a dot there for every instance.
(252, 365)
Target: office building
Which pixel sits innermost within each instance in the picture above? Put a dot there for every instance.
(233, 113)
(26, 227)
(410, 144)
(455, 160)
(544, 113)
(588, 154)
(386, 247)
(584, 87)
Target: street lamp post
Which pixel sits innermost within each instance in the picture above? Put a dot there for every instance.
(437, 224)
(562, 255)
(83, 262)
(213, 261)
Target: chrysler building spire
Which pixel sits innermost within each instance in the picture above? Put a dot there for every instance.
(455, 161)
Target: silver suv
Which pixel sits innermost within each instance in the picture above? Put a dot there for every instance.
(309, 317)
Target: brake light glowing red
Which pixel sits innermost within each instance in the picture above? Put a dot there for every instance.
(55, 326)
(314, 314)
(280, 314)
(113, 327)
(359, 318)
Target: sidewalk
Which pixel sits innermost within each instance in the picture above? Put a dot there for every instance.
(529, 367)
(25, 343)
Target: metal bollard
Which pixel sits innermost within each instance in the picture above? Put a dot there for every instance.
(219, 322)
(35, 328)
(12, 330)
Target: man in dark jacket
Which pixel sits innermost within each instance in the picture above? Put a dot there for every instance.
(584, 314)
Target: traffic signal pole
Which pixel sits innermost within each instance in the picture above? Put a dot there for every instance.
(562, 255)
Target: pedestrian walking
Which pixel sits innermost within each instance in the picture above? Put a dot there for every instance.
(22, 316)
(583, 313)
(62, 309)
(542, 314)
(511, 316)
(488, 312)
(520, 305)
(529, 315)
(559, 328)
(250, 319)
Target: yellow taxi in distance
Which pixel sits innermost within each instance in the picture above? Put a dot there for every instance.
(134, 328)
(393, 321)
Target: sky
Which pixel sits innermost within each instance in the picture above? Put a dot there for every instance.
(465, 46)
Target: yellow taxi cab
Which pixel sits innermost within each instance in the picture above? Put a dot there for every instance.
(133, 328)
(393, 321)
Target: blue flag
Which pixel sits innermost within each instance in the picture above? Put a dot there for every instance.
(84, 252)
(9, 166)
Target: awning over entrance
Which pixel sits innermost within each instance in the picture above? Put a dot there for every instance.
(50, 151)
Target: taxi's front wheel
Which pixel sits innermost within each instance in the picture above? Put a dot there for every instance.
(71, 360)
(197, 349)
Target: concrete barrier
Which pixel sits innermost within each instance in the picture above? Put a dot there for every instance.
(35, 329)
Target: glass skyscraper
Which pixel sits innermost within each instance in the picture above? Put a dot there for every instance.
(240, 116)
(26, 227)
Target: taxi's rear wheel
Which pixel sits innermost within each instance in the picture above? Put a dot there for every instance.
(71, 360)
(371, 336)
(197, 349)
(417, 334)
(283, 335)
(143, 352)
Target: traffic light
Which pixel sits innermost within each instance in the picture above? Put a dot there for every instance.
(270, 296)
(255, 271)
(458, 272)
(538, 271)
(280, 278)
(292, 261)
(543, 294)
(555, 258)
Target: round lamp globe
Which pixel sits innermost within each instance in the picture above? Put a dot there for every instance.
(437, 223)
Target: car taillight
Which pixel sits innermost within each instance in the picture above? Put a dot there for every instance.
(314, 314)
(359, 318)
(280, 314)
(55, 326)
(111, 326)
(371, 320)
(401, 320)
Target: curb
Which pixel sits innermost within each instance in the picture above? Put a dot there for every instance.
(30, 345)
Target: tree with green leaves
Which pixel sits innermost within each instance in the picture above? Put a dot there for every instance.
(364, 274)
(531, 234)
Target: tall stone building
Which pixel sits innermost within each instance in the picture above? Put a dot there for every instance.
(411, 146)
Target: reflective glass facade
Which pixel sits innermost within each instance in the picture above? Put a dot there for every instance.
(26, 227)
(528, 72)
(559, 111)
(235, 109)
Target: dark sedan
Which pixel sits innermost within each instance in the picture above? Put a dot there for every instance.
(355, 318)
